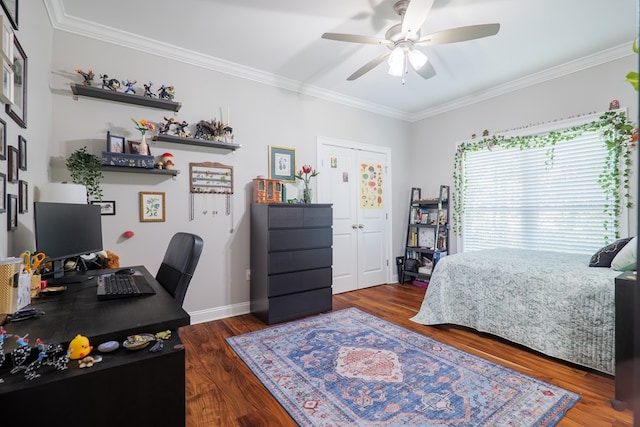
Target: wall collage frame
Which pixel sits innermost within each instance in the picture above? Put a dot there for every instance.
(14, 190)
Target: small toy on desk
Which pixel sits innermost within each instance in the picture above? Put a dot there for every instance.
(80, 347)
(3, 337)
(111, 260)
(31, 371)
(89, 361)
(108, 347)
(19, 355)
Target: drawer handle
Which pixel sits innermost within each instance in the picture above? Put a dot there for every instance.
(360, 225)
(354, 226)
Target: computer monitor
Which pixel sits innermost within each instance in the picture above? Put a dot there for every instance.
(66, 230)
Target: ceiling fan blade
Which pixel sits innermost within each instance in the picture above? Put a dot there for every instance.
(354, 38)
(459, 34)
(415, 16)
(369, 66)
(426, 71)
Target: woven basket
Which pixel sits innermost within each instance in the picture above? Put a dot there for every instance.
(9, 277)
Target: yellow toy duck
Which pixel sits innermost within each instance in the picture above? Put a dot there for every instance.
(79, 347)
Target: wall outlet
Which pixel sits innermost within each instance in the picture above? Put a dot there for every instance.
(248, 274)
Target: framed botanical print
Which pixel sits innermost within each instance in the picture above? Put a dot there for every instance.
(282, 163)
(13, 164)
(18, 109)
(12, 212)
(10, 8)
(152, 207)
(22, 153)
(23, 197)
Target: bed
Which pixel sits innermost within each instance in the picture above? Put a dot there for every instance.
(548, 301)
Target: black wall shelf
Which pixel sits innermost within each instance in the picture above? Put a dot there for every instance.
(196, 141)
(168, 172)
(128, 98)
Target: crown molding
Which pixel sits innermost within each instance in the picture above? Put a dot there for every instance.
(61, 21)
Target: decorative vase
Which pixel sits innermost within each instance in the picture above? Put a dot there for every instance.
(144, 147)
(307, 195)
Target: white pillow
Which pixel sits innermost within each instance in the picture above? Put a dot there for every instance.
(627, 258)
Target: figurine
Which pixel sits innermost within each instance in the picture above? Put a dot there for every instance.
(111, 84)
(20, 354)
(166, 92)
(63, 361)
(167, 161)
(88, 77)
(3, 336)
(89, 361)
(31, 371)
(50, 351)
(180, 129)
(147, 90)
(79, 347)
(129, 86)
(200, 134)
(163, 128)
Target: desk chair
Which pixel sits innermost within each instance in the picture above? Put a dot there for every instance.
(179, 263)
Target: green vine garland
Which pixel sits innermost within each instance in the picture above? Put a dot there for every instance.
(617, 131)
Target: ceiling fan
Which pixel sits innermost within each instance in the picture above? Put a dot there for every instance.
(402, 39)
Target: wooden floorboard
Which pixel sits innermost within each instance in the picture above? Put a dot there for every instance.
(222, 391)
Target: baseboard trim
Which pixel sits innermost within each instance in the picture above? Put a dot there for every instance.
(217, 313)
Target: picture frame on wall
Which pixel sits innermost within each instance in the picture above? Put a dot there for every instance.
(6, 83)
(22, 153)
(18, 109)
(3, 192)
(282, 163)
(3, 140)
(23, 197)
(6, 39)
(134, 147)
(12, 212)
(115, 144)
(13, 164)
(107, 207)
(152, 206)
(10, 8)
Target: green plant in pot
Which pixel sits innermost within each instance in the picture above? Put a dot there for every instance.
(86, 169)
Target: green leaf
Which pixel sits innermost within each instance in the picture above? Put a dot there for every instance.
(632, 77)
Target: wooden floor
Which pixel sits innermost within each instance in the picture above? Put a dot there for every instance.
(222, 391)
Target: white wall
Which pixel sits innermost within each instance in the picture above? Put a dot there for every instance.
(583, 92)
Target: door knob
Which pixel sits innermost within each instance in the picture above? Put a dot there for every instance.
(360, 225)
(354, 226)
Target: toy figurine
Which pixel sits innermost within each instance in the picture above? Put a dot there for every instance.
(20, 354)
(129, 86)
(88, 77)
(89, 361)
(62, 362)
(111, 84)
(163, 128)
(79, 347)
(32, 370)
(180, 129)
(50, 351)
(167, 161)
(166, 92)
(147, 90)
(3, 336)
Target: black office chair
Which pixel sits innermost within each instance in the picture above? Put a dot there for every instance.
(179, 263)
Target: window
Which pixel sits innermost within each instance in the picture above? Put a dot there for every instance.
(548, 197)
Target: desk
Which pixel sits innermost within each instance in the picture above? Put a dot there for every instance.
(128, 388)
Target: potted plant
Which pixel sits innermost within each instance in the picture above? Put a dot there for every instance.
(86, 169)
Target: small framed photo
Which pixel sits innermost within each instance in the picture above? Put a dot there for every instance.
(134, 148)
(107, 207)
(3, 140)
(152, 206)
(282, 163)
(18, 109)
(6, 39)
(115, 144)
(12, 212)
(22, 153)
(13, 164)
(23, 196)
(11, 10)
(3, 192)
(415, 194)
(6, 94)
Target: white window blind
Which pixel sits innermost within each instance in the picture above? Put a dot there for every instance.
(515, 198)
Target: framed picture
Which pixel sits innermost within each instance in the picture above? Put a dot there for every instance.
(12, 212)
(22, 153)
(115, 144)
(13, 164)
(6, 83)
(11, 10)
(6, 39)
(23, 196)
(3, 192)
(415, 194)
(282, 163)
(106, 207)
(134, 148)
(152, 207)
(18, 110)
(3, 140)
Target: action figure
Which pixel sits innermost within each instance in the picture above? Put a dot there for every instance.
(20, 354)
(129, 86)
(111, 84)
(147, 90)
(166, 92)
(88, 77)
(180, 129)
(164, 128)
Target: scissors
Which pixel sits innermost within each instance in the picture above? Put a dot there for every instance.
(31, 263)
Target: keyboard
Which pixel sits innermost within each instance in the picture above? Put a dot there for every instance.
(117, 286)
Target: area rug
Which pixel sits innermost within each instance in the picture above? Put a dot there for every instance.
(349, 368)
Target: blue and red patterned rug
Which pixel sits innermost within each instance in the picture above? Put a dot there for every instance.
(349, 368)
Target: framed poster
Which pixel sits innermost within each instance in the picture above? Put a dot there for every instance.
(12, 212)
(13, 164)
(152, 206)
(107, 207)
(23, 196)
(10, 8)
(282, 163)
(18, 109)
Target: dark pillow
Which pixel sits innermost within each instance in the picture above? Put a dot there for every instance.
(604, 256)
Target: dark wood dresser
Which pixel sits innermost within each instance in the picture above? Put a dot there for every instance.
(626, 290)
(291, 260)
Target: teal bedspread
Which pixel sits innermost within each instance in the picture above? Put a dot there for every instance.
(548, 301)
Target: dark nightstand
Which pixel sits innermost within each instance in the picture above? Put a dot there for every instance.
(625, 297)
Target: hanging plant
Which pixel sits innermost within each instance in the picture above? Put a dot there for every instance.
(86, 169)
(618, 134)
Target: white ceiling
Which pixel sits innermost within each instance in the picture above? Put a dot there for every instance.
(278, 42)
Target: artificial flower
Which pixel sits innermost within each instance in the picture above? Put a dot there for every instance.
(308, 172)
(143, 126)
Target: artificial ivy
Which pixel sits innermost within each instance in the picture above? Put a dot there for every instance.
(614, 126)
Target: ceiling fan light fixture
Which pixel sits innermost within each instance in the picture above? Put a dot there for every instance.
(417, 59)
(396, 62)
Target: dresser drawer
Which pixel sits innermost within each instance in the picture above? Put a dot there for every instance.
(300, 281)
(299, 238)
(300, 216)
(284, 262)
(294, 306)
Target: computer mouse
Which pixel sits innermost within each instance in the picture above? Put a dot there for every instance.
(126, 271)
